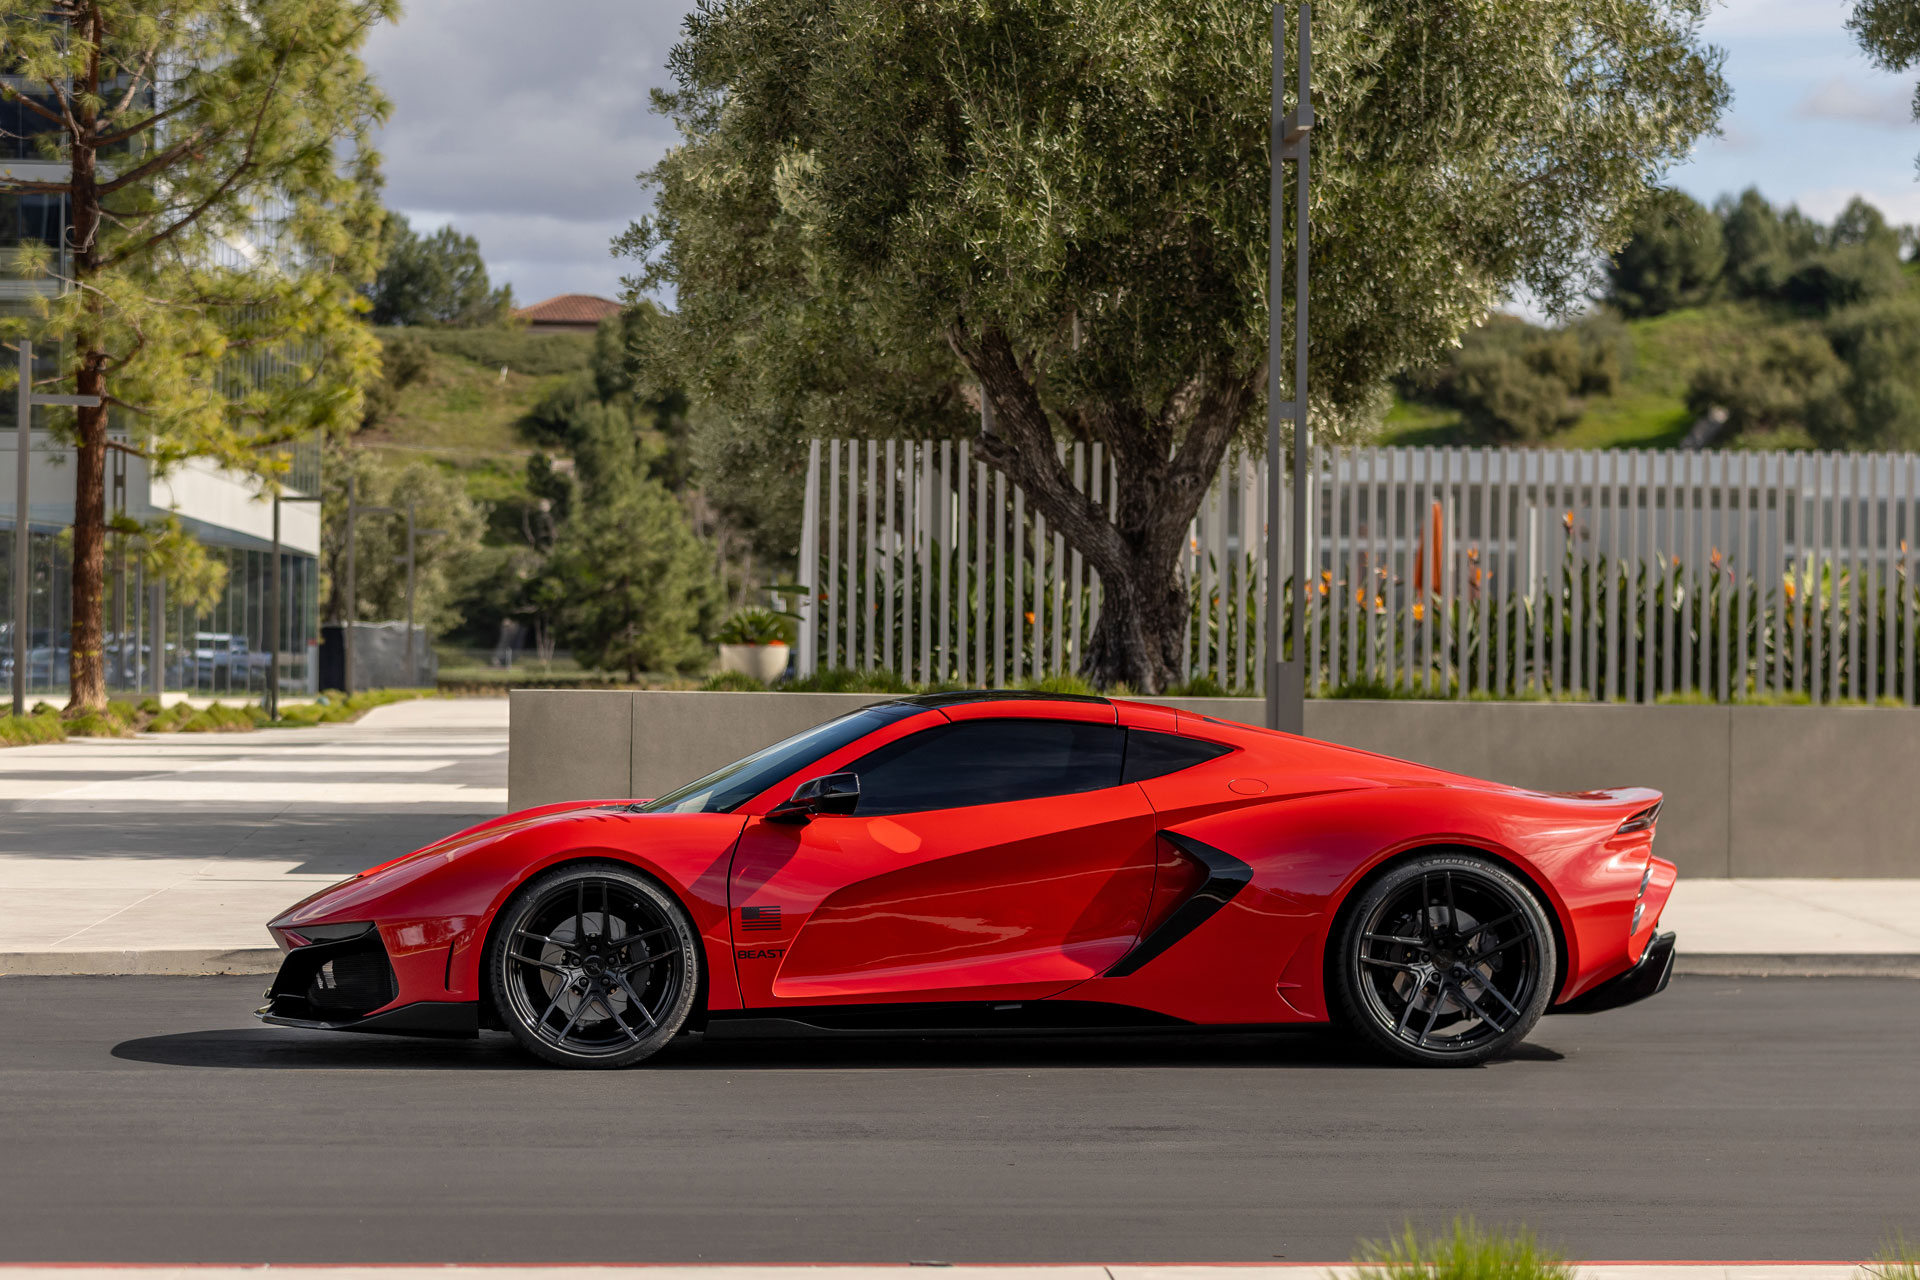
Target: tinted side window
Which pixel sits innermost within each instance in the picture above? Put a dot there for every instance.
(1150, 754)
(988, 762)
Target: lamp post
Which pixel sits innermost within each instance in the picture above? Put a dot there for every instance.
(354, 512)
(21, 535)
(1287, 677)
(272, 701)
(413, 534)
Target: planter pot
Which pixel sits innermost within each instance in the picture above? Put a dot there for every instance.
(764, 662)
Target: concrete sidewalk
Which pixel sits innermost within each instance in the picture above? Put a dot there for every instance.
(168, 854)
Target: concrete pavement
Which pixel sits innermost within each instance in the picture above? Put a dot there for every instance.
(1061, 1271)
(152, 1120)
(167, 853)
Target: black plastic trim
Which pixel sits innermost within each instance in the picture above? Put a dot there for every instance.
(1647, 978)
(1226, 876)
(443, 1020)
(1002, 1015)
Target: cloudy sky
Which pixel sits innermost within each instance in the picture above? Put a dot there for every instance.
(527, 132)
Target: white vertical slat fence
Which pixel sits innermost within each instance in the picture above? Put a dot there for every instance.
(1623, 575)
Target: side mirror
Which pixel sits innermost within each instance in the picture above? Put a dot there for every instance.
(830, 793)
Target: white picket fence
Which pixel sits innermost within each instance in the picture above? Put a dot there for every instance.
(1620, 575)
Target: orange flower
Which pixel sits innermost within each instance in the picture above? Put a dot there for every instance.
(1029, 617)
(1791, 592)
(1359, 595)
(1567, 519)
(1419, 611)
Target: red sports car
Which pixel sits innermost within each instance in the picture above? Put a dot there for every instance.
(1004, 860)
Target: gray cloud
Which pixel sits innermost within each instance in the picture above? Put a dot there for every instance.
(524, 125)
(1845, 98)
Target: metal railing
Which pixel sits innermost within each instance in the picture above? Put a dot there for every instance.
(1619, 575)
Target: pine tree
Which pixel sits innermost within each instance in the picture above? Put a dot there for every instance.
(220, 192)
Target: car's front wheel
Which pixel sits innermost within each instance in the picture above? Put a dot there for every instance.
(1446, 960)
(594, 965)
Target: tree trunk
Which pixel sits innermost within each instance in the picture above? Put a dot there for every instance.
(1135, 548)
(86, 661)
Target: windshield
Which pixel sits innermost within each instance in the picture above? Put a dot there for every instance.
(725, 789)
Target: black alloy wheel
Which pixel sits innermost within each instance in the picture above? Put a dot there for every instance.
(594, 965)
(1446, 960)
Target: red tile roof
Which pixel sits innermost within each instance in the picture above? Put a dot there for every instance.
(569, 308)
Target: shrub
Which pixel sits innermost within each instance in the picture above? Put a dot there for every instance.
(1777, 382)
(732, 682)
(99, 724)
(1071, 685)
(757, 626)
(847, 680)
(1465, 1253)
(27, 730)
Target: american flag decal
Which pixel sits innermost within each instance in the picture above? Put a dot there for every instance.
(759, 919)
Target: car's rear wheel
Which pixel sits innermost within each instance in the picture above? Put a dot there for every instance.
(594, 965)
(1446, 960)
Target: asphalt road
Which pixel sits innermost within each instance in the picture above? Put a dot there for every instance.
(149, 1119)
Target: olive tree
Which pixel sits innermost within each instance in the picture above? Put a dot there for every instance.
(881, 210)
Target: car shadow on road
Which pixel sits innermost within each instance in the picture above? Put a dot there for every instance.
(271, 1049)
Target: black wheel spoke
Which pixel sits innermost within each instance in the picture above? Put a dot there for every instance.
(558, 995)
(1500, 946)
(1394, 938)
(1439, 1001)
(1474, 1005)
(541, 965)
(1395, 965)
(1453, 912)
(580, 917)
(1413, 998)
(1501, 996)
(1479, 929)
(639, 937)
(538, 937)
(634, 996)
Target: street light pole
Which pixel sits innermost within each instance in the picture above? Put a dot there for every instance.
(354, 512)
(272, 700)
(1287, 677)
(22, 533)
(413, 671)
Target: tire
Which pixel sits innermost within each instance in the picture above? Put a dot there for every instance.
(593, 965)
(1447, 960)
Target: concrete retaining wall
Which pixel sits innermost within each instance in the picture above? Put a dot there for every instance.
(1751, 791)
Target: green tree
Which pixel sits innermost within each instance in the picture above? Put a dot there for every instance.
(437, 279)
(442, 563)
(1877, 405)
(1889, 30)
(1673, 258)
(633, 586)
(221, 212)
(877, 208)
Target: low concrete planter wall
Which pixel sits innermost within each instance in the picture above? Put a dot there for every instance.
(1751, 791)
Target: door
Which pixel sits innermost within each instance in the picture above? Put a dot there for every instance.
(987, 859)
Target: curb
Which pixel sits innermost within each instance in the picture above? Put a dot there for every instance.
(191, 963)
(896, 1271)
(1842, 965)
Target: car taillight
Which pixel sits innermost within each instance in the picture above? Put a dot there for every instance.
(1639, 821)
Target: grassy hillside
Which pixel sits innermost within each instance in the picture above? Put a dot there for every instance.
(1646, 410)
(477, 384)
